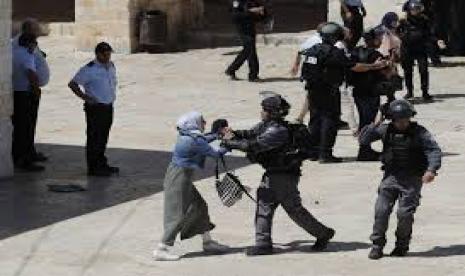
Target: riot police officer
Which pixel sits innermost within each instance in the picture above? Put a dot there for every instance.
(268, 144)
(246, 14)
(366, 95)
(324, 71)
(411, 157)
(416, 33)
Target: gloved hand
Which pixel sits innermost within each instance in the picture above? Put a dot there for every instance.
(241, 145)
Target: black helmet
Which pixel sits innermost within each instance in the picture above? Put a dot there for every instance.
(277, 106)
(373, 33)
(414, 5)
(401, 109)
(331, 33)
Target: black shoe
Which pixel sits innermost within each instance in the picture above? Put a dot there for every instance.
(231, 75)
(104, 172)
(312, 156)
(330, 159)
(30, 167)
(254, 79)
(427, 97)
(399, 252)
(376, 253)
(368, 155)
(342, 125)
(114, 170)
(39, 157)
(322, 243)
(259, 251)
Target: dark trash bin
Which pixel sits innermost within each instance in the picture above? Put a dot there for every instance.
(153, 31)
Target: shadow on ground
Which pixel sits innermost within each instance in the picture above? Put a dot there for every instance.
(439, 251)
(292, 247)
(26, 203)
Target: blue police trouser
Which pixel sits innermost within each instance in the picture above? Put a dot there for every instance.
(24, 121)
(407, 191)
(282, 189)
(408, 63)
(249, 54)
(99, 118)
(323, 131)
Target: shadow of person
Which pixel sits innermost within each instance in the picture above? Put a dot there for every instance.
(301, 246)
(305, 246)
(449, 96)
(440, 251)
(279, 79)
(450, 64)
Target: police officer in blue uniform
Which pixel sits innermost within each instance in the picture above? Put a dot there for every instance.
(246, 14)
(411, 157)
(27, 91)
(268, 144)
(98, 78)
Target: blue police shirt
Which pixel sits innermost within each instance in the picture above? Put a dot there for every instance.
(42, 68)
(99, 81)
(23, 61)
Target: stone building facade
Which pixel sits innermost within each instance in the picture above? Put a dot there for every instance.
(6, 107)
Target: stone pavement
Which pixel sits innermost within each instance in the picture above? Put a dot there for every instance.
(112, 228)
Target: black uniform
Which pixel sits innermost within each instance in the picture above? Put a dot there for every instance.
(355, 24)
(326, 71)
(267, 144)
(416, 34)
(367, 98)
(406, 157)
(245, 22)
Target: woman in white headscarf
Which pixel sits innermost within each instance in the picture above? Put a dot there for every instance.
(185, 211)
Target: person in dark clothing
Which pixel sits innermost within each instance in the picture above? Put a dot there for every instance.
(366, 96)
(416, 33)
(411, 157)
(246, 14)
(268, 144)
(324, 71)
(353, 12)
(98, 78)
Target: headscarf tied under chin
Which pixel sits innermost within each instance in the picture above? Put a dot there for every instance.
(190, 123)
(389, 19)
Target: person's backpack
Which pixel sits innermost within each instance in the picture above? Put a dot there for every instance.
(314, 65)
(300, 141)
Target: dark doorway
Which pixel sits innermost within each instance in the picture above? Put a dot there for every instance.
(44, 10)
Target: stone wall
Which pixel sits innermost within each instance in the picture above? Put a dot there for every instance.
(116, 21)
(6, 107)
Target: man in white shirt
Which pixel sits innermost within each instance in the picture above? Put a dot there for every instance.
(32, 26)
(98, 80)
(26, 94)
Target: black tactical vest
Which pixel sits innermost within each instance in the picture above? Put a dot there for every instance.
(403, 152)
(316, 72)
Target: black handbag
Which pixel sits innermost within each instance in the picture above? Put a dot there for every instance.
(229, 188)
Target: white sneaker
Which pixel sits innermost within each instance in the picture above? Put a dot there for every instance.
(163, 255)
(215, 247)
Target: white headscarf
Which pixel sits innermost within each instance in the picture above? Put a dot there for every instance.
(190, 122)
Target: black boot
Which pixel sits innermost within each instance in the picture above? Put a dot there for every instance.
(322, 243)
(427, 97)
(399, 252)
(367, 154)
(231, 75)
(376, 253)
(259, 251)
(409, 95)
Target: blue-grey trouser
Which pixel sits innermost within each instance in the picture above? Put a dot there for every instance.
(405, 189)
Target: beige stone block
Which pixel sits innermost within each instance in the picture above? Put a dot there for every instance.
(6, 163)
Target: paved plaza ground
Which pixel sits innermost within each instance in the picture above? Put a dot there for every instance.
(112, 228)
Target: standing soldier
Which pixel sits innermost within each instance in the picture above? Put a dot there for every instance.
(268, 144)
(246, 14)
(416, 33)
(324, 71)
(98, 78)
(411, 157)
(27, 91)
(353, 12)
